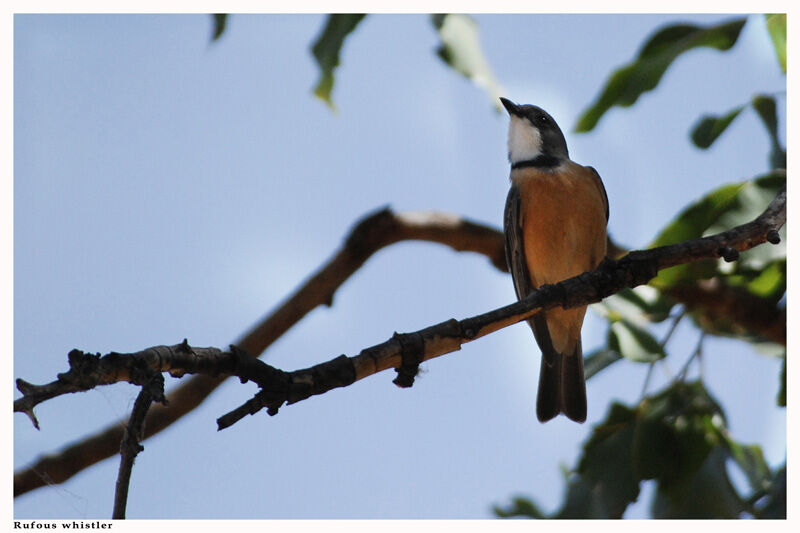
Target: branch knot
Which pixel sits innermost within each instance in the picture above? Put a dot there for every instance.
(412, 353)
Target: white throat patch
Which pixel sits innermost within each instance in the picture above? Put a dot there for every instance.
(524, 140)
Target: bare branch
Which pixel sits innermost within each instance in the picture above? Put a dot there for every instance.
(407, 350)
(152, 390)
(610, 277)
(88, 371)
(370, 235)
(745, 312)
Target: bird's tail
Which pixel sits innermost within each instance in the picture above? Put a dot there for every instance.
(562, 388)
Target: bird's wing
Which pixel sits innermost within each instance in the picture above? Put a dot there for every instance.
(601, 187)
(518, 265)
(515, 248)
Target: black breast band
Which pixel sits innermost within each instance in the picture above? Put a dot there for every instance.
(540, 161)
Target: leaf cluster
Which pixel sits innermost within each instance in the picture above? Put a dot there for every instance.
(677, 439)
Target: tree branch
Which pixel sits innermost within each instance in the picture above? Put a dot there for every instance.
(145, 368)
(152, 390)
(278, 387)
(371, 234)
(610, 277)
(719, 302)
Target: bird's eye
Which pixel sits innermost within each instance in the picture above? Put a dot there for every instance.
(541, 119)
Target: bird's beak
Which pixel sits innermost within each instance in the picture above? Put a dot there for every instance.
(511, 107)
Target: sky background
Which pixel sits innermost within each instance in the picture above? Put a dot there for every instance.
(168, 188)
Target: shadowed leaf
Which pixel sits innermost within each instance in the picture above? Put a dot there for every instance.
(461, 49)
(606, 463)
(706, 131)
(681, 442)
(641, 305)
(678, 438)
(520, 507)
(708, 493)
(775, 505)
(598, 360)
(694, 220)
(750, 459)
(633, 342)
(627, 83)
(326, 50)
(782, 390)
(776, 25)
(767, 280)
(721, 209)
(604, 483)
(676, 431)
(766, 109)
(579, 501)
(710, 127)
(220, 19)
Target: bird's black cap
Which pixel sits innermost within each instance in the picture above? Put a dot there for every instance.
(553, 141)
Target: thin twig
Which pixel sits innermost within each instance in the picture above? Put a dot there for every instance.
(647, 380)
(152, 390)
(672, 328)
(696, 353)
(662, 344)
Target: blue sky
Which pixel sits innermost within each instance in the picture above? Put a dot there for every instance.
(166, 187)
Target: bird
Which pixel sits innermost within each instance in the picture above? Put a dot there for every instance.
(555, 228)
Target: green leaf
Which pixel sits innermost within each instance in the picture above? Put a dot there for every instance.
(767, 111)
(678, 438)
(629, 82)
(461, 49)
(598, 360)
(782, 390)
(328, 46)
(579, 502)
(766, 280)
(776, 25)
(750, 459)
(694, 220)
(722, 209)
(707, 493)
(220, 19)
(775, 505)
(634, 343)
(771, 281)
(761, 271)
(640, 305)
(606, 463)
(521, 507)
(604, 484)
(770, 349)
(709, 127)
(676, 431)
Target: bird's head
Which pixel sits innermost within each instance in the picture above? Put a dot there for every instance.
(533, 133)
